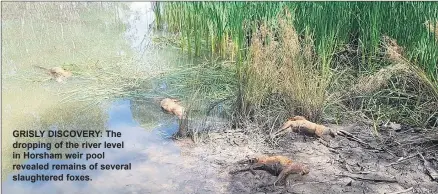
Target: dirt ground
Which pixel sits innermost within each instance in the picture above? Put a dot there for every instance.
(346, 167)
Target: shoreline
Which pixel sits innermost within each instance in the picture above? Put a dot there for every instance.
(347, 167)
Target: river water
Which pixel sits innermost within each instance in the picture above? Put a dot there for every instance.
(154, 160)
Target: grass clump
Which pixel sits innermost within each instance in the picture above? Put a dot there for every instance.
(399, 92)
(205, 86)
(287, 66)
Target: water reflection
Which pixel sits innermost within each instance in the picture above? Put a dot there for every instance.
(143, 149)
(156, 163)
(68, 116)
(149, 116)
(139, 19)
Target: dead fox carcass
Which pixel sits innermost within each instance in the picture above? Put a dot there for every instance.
(300, 124)
(172, 106)
(280, 166)
(57, 73)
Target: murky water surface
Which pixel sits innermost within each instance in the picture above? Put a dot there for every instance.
(141, 148)
(154, 159)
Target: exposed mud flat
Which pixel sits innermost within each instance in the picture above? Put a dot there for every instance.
(346, 167)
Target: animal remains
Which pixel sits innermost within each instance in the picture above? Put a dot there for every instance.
(300, 124)
(279, 166)
(172, 106)
(57, 73)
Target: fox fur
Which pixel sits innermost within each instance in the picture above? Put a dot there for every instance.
(172, 106)
(57, 73)
(301, 124)
(279, 166)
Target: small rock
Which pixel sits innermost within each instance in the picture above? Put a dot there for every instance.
(393, 126)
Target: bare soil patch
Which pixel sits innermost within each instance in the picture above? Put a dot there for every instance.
(392, 164)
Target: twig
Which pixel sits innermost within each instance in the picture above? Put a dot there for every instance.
(363, 172)
(333, 150)
(370, 177)
(402, 191)
(354, 138)
(327, 144)
(429, 169)
(323, 142)
(348, 167)
(401, 160)
(303, 183)
(350, 136)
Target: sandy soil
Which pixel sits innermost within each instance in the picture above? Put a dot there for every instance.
(346, 167)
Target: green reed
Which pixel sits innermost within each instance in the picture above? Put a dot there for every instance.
(214, 27)
(224, 29)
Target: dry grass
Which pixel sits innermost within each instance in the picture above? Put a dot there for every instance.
(372, 83)
(399, 92)
(285, 65)
(433, 28)
(399, 66)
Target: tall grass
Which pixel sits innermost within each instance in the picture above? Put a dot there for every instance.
(217, 25)
(201, 86)
(286, 65)
(224, 29)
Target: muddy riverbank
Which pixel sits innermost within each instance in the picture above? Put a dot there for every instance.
(100, 40)
(347, 167)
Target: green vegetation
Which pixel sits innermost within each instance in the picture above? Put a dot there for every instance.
(325, 57)
(248, 61)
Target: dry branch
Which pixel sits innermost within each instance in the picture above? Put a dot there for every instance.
(401, 160)
(429, 169)
(371, 177)
(402, 191)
